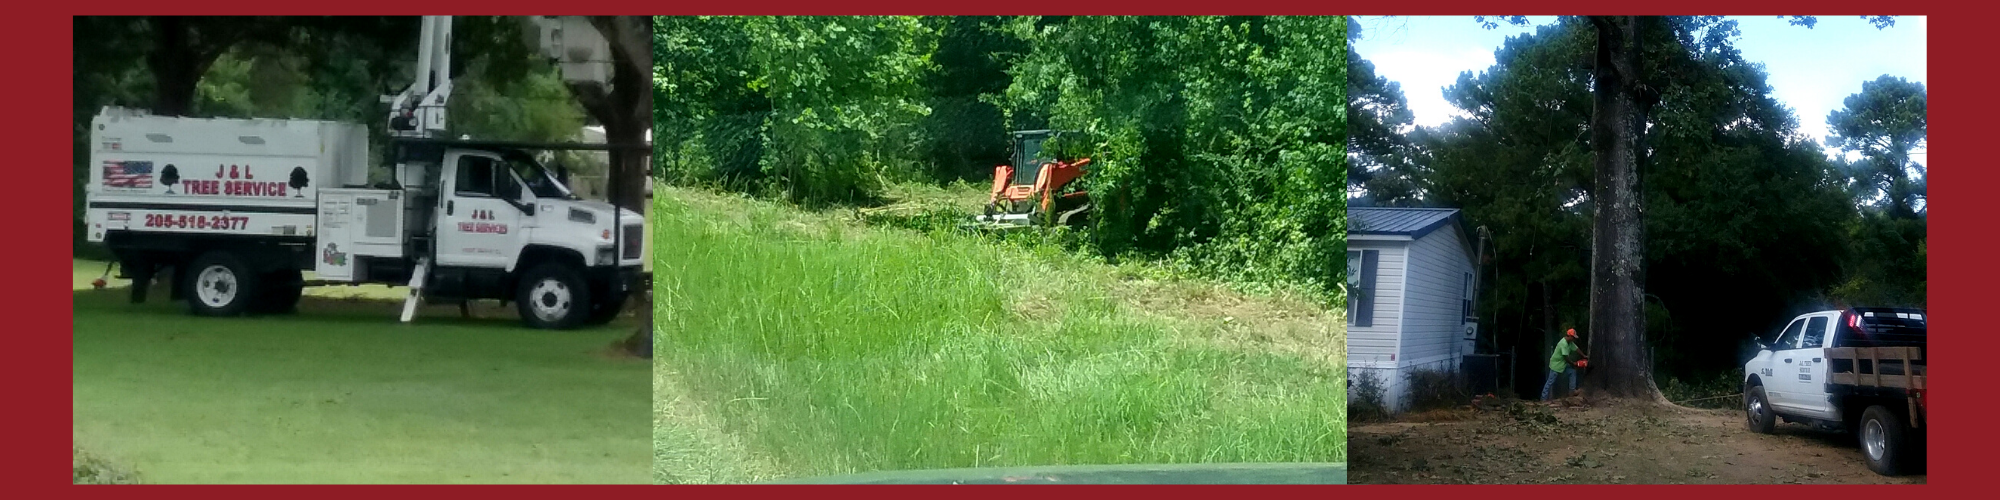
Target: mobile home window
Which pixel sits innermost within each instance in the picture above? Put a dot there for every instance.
(1361, 287)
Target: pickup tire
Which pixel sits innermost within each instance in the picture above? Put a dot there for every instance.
(1757, 410)
(554, 296)
(1884, 441)
(220, 284)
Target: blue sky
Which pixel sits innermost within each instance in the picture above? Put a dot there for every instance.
(1811, 70)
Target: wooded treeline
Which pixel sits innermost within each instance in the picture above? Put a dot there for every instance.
(1747, 221)
(1214, 140)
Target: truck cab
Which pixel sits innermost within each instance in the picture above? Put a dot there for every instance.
(502, 203)
(1850, 370)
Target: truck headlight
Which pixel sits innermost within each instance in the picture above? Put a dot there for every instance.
(607, 255)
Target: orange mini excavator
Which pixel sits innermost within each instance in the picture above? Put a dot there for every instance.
(1030, 192)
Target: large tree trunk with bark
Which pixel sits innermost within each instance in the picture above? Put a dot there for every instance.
(1621, 365)
(181, 55)
(625, 108)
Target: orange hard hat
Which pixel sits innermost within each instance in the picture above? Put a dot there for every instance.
(1572, 332)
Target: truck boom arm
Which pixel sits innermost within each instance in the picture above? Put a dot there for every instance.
(419, 111)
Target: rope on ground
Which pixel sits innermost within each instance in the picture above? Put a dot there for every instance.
(1736, 395)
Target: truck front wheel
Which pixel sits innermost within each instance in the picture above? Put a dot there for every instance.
(1757, 409)
(219, 284)
(1884, 442)
(554, 296)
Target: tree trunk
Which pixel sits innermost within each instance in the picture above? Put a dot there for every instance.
(625, 108)
(1549, 333)
(1620, 365)
(640, 342)
(178, 59)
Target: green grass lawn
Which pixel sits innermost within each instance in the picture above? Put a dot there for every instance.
(342, 393)
(796, 345)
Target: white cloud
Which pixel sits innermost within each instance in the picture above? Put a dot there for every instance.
(1424, 75)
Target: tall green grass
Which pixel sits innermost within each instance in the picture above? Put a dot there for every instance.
(830, 348)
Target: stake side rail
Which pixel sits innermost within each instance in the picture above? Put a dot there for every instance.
(1860, 370)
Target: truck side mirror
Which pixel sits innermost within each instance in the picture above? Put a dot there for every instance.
(562, 174)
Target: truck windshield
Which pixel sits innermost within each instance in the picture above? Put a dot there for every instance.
(537, 179)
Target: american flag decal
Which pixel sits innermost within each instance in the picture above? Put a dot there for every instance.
(128, 174)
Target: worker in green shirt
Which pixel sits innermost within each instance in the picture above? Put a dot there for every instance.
(1566, 359)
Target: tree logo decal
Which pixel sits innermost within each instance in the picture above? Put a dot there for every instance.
(170, 176)
(299, 181)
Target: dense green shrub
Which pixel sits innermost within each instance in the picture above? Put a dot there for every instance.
(1218, 142)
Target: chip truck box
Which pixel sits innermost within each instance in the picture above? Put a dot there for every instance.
(216, 175)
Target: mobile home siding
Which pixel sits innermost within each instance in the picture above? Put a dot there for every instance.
(1376, 343)
(1433, 316)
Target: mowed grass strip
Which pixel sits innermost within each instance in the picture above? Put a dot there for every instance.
(341, 393)
(831, 348)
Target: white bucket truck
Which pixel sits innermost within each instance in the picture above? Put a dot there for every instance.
(240, 209)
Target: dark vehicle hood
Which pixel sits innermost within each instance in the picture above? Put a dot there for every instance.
(1257, 473)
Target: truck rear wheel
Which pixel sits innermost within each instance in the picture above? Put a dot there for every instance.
(1884, 442)
(554, 296)
(1757, 408)
(219, 284)
(281, 292)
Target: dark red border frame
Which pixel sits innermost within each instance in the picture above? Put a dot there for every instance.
(40, 310)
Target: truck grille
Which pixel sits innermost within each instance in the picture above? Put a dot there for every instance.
(634, 242)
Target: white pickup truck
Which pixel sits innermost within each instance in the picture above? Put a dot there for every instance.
(1857, 370)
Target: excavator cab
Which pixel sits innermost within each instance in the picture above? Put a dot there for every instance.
(1031, 190)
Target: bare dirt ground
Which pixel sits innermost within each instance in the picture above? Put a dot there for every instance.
(1512, 442)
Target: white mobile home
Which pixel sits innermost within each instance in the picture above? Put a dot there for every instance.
(1410, 279)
